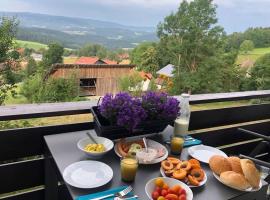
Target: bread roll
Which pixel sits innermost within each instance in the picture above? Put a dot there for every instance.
(234, 180)
(219, 164)
(235, 163)
(250, 172)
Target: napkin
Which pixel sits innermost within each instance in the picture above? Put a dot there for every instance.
(100, 194)
(190, 141)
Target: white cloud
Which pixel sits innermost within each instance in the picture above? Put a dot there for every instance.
(14, 5)
(144, 3)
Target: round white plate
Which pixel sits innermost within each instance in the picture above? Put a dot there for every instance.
(151, 144)
(191, 186)
(150, 186)
(87, 174)
(203, 153)
(247, 190)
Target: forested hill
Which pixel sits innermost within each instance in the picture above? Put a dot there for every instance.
(73, 32)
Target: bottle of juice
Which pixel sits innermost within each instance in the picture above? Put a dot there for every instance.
(182, 122)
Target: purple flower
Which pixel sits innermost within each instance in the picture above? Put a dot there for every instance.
(159, 106)
(125, 110)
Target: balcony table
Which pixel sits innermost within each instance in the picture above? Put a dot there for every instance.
(62, 151)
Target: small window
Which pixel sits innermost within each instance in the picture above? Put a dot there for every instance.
(88, 82)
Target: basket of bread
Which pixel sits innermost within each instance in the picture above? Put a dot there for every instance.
(188, 171)
(240, 174)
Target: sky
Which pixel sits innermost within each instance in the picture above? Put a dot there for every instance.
(233, 15)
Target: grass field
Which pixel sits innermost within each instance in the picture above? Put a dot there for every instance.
(32, 45)
(252, 55)
(18, 98)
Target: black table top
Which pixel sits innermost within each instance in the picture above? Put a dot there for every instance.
(63, 148)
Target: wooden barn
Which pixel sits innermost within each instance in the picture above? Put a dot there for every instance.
(95, 79)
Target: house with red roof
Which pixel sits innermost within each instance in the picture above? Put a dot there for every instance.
(93, 79)
(89, 61)
(94, 61)
(109, 62)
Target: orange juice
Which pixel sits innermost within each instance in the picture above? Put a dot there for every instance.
(177, 145)
(129, 168)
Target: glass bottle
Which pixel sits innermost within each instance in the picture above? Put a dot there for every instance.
(181, 123)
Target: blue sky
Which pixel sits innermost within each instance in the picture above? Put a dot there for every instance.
(234, 15)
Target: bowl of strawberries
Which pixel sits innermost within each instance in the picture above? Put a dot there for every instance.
(163, 188)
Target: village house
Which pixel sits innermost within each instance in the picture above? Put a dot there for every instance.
(94, 79)
(165, 76)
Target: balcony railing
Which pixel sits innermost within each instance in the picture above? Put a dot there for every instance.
(22, 150)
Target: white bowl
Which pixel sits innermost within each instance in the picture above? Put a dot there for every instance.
(150, 186)
(108, 144)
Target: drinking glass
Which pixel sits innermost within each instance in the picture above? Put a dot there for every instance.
(177, 145)
(129, 167)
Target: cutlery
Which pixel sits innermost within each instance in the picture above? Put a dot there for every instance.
(118, 194)
(118, 198)
(145, 144)
(91, 137)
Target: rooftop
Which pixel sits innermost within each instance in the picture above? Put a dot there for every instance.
(167, 70)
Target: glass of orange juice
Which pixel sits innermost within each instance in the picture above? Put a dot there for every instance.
(129, 168)
(177, 145)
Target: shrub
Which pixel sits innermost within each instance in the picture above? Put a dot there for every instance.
(59, 90)
(131, 83)
(260, 74)
(35, 89)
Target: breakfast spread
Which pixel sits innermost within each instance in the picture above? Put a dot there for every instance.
(189, 171)
(136, 148)
(234, 172)
(163, 192)
(94, 148)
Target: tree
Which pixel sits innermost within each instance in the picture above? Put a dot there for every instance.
(31, 67)
(259, 36)
(27, 52)
(247, 46)
(93, 50)
(146, 57)
(53, 55)
(195, 43)
(131, 83)
(37, 90)
(8, 28)
(260, 74)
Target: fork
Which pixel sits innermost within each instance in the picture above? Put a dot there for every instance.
(118, 194)
(118, 198)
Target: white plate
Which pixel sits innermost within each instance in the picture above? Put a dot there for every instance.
(203, 153)
(247, 190)
(151, 144)
(87, 174)
(150, 185)
(191, 186)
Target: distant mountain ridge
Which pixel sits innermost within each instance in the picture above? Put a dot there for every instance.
(74, 32)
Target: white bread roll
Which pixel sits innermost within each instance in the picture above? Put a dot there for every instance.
(250, 172)
(235, 163)
(234, 180)
(219, 164)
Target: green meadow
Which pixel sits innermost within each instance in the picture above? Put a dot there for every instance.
(252, 55)
(31, 45)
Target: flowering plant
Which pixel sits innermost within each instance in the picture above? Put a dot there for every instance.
(159, 106)
(125, 110)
